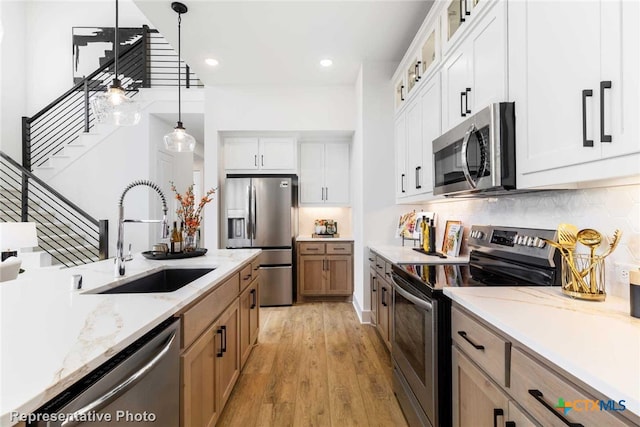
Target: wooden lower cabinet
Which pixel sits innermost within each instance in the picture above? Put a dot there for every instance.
(228, 358)
(249, 319)
(325, 269)
(373, 279)
(385, 294)
(477, 400)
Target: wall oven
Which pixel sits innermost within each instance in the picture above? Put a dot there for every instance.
(421, 313)
(478, 155)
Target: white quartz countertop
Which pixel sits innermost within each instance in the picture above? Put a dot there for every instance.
(596, 342)
(324, 239)
(406, 255)
(51, 336)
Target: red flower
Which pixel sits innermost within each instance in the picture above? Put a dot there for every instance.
(187, 212)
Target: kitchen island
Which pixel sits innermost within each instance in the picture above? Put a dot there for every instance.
(52, 335)
(594, 345)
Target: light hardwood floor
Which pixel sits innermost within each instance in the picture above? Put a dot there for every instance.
(314, 365)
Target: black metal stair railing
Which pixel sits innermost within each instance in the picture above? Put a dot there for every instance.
(65, 231)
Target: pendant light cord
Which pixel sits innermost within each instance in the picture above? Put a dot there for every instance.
(116, 46)
(179, 71)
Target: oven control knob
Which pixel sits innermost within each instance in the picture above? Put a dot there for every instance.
(473, 233)
(518, 240)
(529, 241)
(479, 234)
(541, 243)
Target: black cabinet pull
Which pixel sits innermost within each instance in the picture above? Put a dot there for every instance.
(537, 394)
(497, 412)
(462, 110)
(416, 69)
(463, 334)
(418, 185)
(402, 183)
(467, 91)
(510, 424)
(262, 160)
(224, 338)
(371, 259)
(247, 277)
(221, 352)
(373, 284)
(585, 142)
(402, 93)
(384, 292)
(603, 136)
(461, 14)
(254, 300)
(255, 160)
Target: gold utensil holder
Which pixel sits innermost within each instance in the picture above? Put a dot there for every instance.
(585, 278)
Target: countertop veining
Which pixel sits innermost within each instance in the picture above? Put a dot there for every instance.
(406, 255)
(52, 336)
(596, 342)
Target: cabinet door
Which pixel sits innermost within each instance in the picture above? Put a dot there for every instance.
(373, 279)
(200, 407)
(384, 306)
(337, 171)
(558, 44)
(400, 136)
(277, 154)
(311, 172)
(488, 49)
(241, 153)
(431, 129)
(620, 117)
(311, 275)
(339, 275)
(228, 359)
(254, 313)
(456, 87)
(414, 147)
(477, 401)
(246, 300)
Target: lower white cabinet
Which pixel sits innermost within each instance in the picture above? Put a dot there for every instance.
(324, 173)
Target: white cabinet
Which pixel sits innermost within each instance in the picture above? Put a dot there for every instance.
(400, 141)
(585, 107)
(475, 74)
(260, 154)
(324, 173)
(414, 147)
(431, 119)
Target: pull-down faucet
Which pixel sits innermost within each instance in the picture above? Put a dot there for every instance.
(119, 264)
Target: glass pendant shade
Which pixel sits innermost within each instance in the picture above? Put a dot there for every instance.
(179, 140)
(115, 108)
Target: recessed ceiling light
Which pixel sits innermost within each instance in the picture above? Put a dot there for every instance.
(326, 63)
(211, 61)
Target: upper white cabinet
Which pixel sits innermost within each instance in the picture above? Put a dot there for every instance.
(324, 173)
(400, 150)
(475, 74)
(457, 16)
(260, 154)
(575, 72)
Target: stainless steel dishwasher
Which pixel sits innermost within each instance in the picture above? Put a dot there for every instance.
(139, 386)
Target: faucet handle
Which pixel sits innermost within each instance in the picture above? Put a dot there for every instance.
(76, 281)
(129, 255)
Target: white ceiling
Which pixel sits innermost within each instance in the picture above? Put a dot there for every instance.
(282, 42)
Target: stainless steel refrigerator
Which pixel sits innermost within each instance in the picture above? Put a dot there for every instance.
(261, 212)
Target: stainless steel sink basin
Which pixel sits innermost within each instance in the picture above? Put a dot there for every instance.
(167, 280)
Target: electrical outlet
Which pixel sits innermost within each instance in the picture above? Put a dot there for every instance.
(622, 271)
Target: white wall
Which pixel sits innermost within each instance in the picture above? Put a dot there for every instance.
(603, 209)
(267, 108)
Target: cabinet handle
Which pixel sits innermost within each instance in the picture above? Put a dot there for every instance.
(262, 160)
(322, 197)
(402, 183)
(326, 193)
(254, 299)
(418, 185)
(373, 284)
(462, 111)
(537, 394)
(585, 142)
(510, 424)
(224, 339)
(402, 93)
(497, 412)
(311, 249)
(247, 277)
(466, 11)
(255, 160)
(461, 14)
(384, 292)
(339, 248)
(221, 352)
(467, 91)
(463, 334)
(371, 259)
(603, 136)
(417, 70)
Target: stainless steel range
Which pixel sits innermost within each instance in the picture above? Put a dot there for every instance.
(421, 328)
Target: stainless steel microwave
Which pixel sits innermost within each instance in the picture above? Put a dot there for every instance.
(478, 155)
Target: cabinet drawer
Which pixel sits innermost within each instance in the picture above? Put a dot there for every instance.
(196, 319)
(372, 259)
(380, 265)
(339, 248)
(246, 276)
(311, 248)
(528, 374)
(484, 347)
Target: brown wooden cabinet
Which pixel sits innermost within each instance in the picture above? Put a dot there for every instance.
(325, 269)
(219, 331)
(385, 294)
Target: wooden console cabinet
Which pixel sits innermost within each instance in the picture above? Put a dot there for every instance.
(325, 269)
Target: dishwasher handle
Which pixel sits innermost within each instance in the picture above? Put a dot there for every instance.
(125, 385)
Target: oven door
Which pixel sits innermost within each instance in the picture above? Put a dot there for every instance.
(413, 344)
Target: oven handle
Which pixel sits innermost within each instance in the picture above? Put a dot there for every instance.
(426, 305)
(465, 163)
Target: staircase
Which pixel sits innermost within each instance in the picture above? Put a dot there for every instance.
(60, 134)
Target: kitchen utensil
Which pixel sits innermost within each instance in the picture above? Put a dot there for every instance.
(612, 246)
(567, 239)
(590, 238)
(569, 264)
(595, 269)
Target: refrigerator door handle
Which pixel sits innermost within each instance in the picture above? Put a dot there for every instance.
(254, 209)
(249, 202)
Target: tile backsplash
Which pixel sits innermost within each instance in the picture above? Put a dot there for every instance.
(308, 215)
(603, 209)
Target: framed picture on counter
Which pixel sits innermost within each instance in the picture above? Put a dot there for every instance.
(452, 239)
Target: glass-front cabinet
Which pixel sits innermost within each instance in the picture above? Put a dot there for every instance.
(400, 93)
(459, 12)
(428, 52)
(413, 74)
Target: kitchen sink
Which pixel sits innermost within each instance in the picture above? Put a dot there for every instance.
(167, 280)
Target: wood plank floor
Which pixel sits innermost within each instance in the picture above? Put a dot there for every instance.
(315, 365)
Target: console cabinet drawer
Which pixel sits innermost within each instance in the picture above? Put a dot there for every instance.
(311, 248)
(481, 345)
(339, 248)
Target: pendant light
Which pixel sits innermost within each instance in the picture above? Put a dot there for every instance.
(113, 106)
(179, 139)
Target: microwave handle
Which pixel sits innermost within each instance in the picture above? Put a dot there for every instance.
(463, 153)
